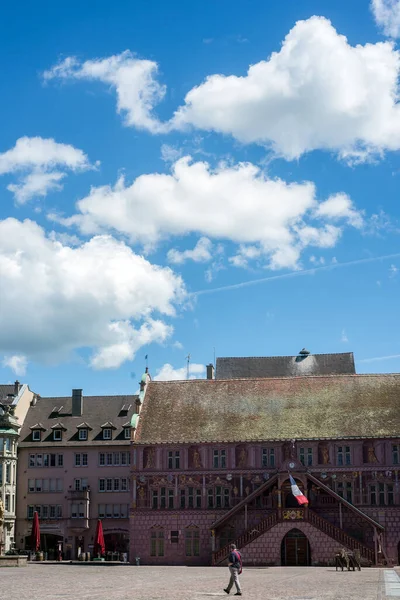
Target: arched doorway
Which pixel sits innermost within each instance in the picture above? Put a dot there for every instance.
(295, 549)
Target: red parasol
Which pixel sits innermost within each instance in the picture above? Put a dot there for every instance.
(35, 535)
(99, 545)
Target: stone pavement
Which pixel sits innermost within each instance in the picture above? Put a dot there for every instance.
(53, 582)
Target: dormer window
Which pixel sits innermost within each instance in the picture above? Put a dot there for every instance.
(36, 435)
(107, 430)
(57, 435)
(127, 433)
(83, 435)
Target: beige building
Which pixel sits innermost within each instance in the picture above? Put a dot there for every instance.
(74, 466)
(15, 400)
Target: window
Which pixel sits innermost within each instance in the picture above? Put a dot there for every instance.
(46, 460)
(345, 490)
(154, 499)
(268, 457)
(382, 494)
(102, 459)
(52, 512)
(83, 434)
(124, 458)
(38, 485)
(102, 485)
(183, 499)
(124, 484)
(8, 473)
(124, 511)
(174, 537)
(59, 511)
(60, 460)
(306, 456)
(107, 433)
(109, 484)
(396, 454)
(39, 460)
(171, 499)
(218, 498)
(81, 484)
(108, 511)
(163, 497)
(109, 458)
(116, 485)
(31, 485)
(57, 435)
(32, 460)
(7, 503)
(45, 512)
(101, 512)
(36, 435)
(127, 433)
(190, 497)
(116, 511)
(157, 542)
(192, 542)
(198, 498)
(8, 445)
(81, 460)
(219, 459)
(30, 512)
(343, 456)
(174, 459)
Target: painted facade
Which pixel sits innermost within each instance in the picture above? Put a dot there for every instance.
(194, 490)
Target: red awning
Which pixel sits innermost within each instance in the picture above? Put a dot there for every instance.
(35, 535)
(99, 547)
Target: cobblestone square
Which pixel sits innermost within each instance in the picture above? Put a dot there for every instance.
(51, 582)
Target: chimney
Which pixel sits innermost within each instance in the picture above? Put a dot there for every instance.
(77, 403)
(17, 387)
(210, 371)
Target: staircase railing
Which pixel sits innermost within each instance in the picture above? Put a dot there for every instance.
(251, 534)
(343, 538)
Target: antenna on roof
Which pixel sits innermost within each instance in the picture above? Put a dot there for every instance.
(214, 356)
(188, 366)
(147, 361)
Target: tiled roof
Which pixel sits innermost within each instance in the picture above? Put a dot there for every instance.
(6, 389)
(97, 410)
(285, 366)
(340, 406)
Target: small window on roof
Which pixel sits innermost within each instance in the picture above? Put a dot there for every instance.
(83, 434)
(36, 435)
(107, 433)
(127, 433)
(57, 435)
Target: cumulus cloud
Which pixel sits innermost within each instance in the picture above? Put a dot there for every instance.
(99, 295)
(268, 217)
(317, 92)
(17, 363)
(38, 161)
(133, 79)
(200, 253)
(387, 16)
(168, 373)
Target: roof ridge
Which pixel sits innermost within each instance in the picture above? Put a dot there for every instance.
(290, 378)
(285, 355)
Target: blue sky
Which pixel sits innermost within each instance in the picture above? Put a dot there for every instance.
(142, 162)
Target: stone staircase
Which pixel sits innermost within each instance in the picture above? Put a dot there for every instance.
(252, 533)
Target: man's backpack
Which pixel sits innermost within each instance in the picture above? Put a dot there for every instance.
(239, 557)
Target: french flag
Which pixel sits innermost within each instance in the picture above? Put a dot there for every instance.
(300, 497)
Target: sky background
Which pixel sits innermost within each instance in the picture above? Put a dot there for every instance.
(282, 229)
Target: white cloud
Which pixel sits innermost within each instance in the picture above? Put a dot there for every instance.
(387, 16)
(393, 270)
(317, 92)
(231, 202)
(200, 253)
(100, 295)
(38, 162)
(339, 207)
(134, 80)
(344, 337)
(169, 154)
(177, 345)
(168, 373)
(17, 363)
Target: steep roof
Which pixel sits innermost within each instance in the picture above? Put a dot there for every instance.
(5, 390)
(340, 406)
(285, 366)
(97, 410)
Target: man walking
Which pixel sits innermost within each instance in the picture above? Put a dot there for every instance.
(235, 568)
